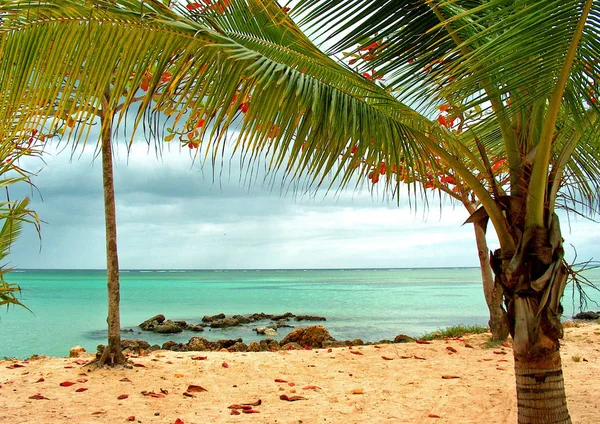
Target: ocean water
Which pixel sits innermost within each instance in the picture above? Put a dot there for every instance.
(69, 306)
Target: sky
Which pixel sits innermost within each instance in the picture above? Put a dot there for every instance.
(172, 214)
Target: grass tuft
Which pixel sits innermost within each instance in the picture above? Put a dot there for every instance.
(454, 331)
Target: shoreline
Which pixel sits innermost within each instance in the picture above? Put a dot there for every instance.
(408, 382)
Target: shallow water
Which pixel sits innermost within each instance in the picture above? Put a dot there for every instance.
(69, 306)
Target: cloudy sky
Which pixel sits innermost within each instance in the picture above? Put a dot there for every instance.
(171, 214)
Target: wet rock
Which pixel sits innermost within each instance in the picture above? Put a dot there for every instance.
(126, 330)
(211, 318)
(226, 344)
(403, 338)
(280, 324)
(239, 347)
(135, 346)
(267, 331)
(285, 316)
(254, 347)
(174, 346)
(242, 319)
(588, 315)
(77, 351)
(292, 346)
(313, 336)
(224, 323)
(260, 316)
(310, 318)
(192, 327)
(269, 345)
(168, 327)
(181, 323)
(149, 324)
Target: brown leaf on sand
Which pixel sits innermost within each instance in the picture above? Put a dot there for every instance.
(449, 377)
(357, 392)
(130, 418)
(179, 421)
(98, 413)
(195, 389)
(125, 380)
(451, 349)
(250, 411)
(433, 416)
(139, 365)
(291, 398)
(500, 352)
(234, 412)
(152, 394)
(81, 389)
(387, 358)
(356, 352)
(80, 362)
(41, 380)
(329, 350)
(38, 397)
(164, 391)
(310, 388)
(467, 345)
(186, 394)
(225, 365)
(419, 357)
(423, 342)
(238, 406)
(279, 380)
(82, 380)
(66, 384)
(13, 366)
(121, 397)
(199, 358)
(258, 402)
(377, 347)
(405, 357)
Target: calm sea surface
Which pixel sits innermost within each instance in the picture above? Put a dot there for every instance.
(69, 306)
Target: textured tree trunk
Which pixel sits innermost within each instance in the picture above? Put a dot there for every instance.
(533, 279)
(112, 354)
(493, 292)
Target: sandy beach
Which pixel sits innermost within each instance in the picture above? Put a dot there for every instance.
(447, 381)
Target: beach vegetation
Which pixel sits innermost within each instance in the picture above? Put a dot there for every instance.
(455, 331)
(496, 99)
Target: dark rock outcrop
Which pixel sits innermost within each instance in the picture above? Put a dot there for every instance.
(149, 324)
(135, 346)
(211, 318)
(174, 346)
(588, 315)
(224, 323)
(241, 319)
(193, 327)
(313, 336)
(167, 327)
(310, 318)
(403, 338)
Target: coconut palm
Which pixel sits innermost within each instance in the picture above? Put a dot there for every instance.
(516, 82)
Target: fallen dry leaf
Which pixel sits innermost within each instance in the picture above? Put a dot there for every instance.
(195, 389)
(449, 377)
(356, 352)
(186, 394)
(80, 362)
(250, 411)
(291, 398)
(199, 358)
(66, 384)
(387, 358)
(178, 375)
(40, 380)
(179, 421)
(433, 416)
(125, 380)
(234, 412)
(13, 366)
(82, 380)
(467, 345)
(258, 402)
(357, 391)
(121, 397)
(130, 418)
(279, 380)
(423, 342)
(310, 388)
(98, 413)
(225, 365)
(38, 397)
(451, 349)
(164, 391)
(329, 350)
(419, 357)
(81, 389)
(291, 384)
(377, 347)
(238, 406)
(152, 394)
(139, 365)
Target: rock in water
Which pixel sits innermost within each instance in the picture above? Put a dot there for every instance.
(167, 327)
(224, 323)
(313, 336)
(310, 318)
(77, 351)
(211, 318)
(589, 315)
(149, 324)
(135, 346)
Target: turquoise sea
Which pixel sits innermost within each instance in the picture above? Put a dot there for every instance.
(69, 306)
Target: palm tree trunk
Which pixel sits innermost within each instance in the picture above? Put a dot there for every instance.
(112, 354)
(541, 395)
(534, 278)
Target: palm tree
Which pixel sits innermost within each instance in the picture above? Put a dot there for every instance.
(517, 75)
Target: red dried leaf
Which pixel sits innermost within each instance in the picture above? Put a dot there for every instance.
(250, 411)
(506, 344)
(66, 383)
(377, 347)
(405, 357)
(121, 397)
(196, 389)
(423, 342)
(152, 394)
(130, 418)
(81, 389)
(38, 397)
(279, 380)
(387, 358)
(99, 413)
(186, 394)
(451, 349)
(419, 357)
(41, 380)
(179, 421)
(68, 366)
(13, 366)
(467, 345)
(329, 350)
(139, 365)
(291, 398)
(258, 402)
(234, 412)
(80, 362)
(310, 387)
(125, 380)
(500, 352)
(449, 377)
(356, 352)
(199, 358)
(433, 416)
(164, 391)
(225, 365)
(291, 384)
(82, 380)
(238, 406)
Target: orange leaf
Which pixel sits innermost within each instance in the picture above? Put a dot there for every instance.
(66, 384)
(130, 418)
(423, 342)
(199, 358)
(387, 358)
(38, 397)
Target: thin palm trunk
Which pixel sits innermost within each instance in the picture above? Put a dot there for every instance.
(112, 354)
(533, 279)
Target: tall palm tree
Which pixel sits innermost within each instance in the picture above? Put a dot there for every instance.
(517, 74)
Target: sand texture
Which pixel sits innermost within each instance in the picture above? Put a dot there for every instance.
(399, 383)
